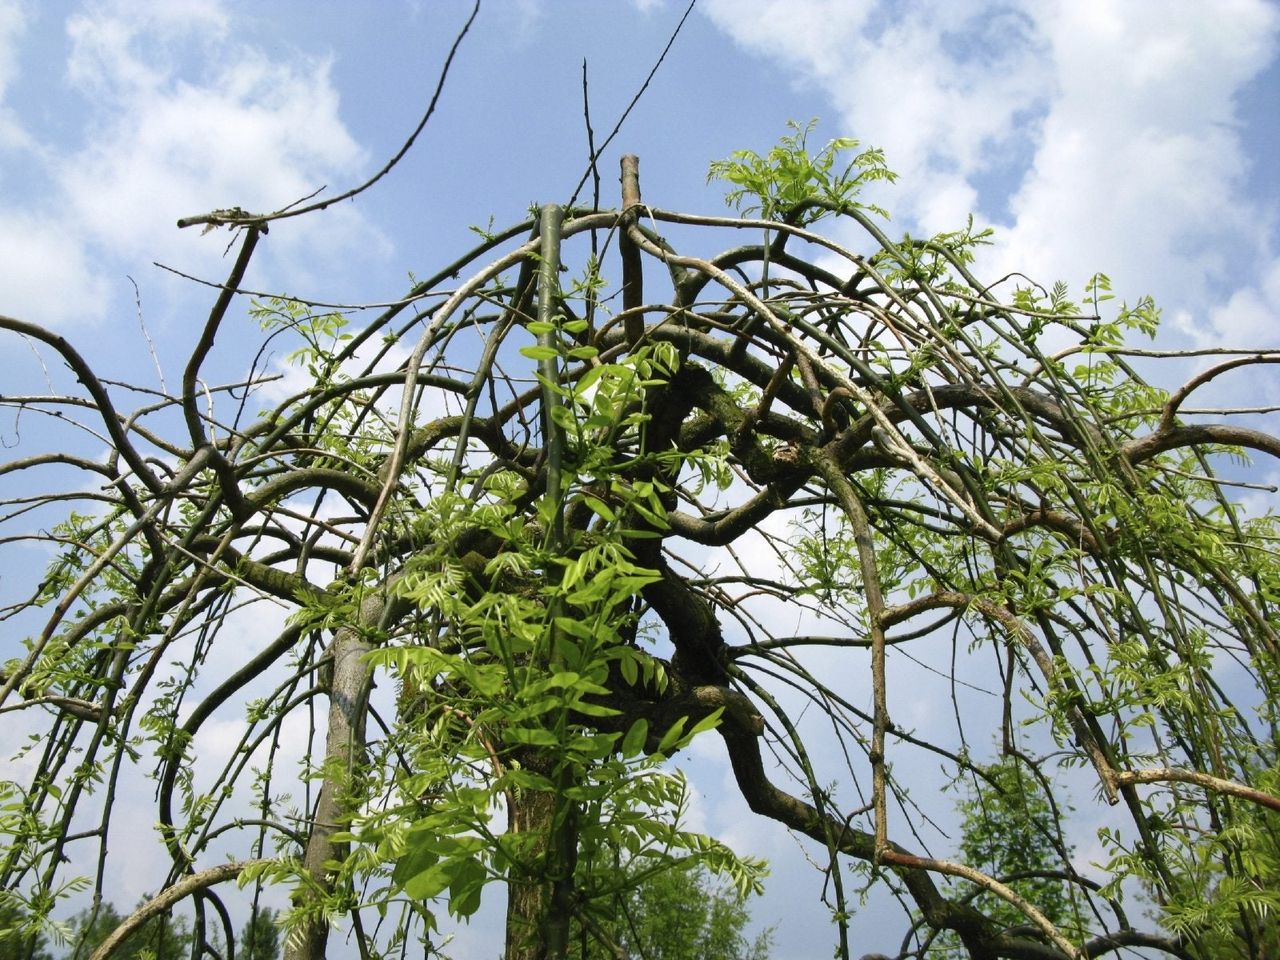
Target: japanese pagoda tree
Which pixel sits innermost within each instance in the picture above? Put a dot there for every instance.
(619, 477)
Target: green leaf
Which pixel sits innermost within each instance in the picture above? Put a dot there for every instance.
(600, 508)
(539, 352)
(533, 736)
(574, 627)
(593, 709)
(526, 779)
(659, 521)
(420, 857)
(709, 722)
(563, 418)
(588, 380)
(630, 671)
(672, 736)
(635, 738)
(426, 883)
(466, 888)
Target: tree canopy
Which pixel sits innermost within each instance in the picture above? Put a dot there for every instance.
(593, 489)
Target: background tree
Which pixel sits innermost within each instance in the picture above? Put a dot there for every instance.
(18, 941)
(1010, 829)
(260, 937)
(569, 524)
(162, 937)
(672, 915)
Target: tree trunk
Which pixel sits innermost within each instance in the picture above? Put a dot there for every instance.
(529, 891)
(344, 751)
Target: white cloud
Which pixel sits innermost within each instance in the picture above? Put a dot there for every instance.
(1110, 131)
(523, 20)
(28, 245)
(13, 25)
(941, 92)
(815, 36)
(1246, 319)
(120, 46)
(257, 132)
(188, 118)
(1250, 316)
(1139, 168)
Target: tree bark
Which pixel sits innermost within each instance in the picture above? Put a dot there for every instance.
(529, 890)
(344, 750)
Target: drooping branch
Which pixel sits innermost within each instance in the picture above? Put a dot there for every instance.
(165, 900)
(1216, 784)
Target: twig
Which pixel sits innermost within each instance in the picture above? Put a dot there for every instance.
(151, 347)
(246, 292)
(1175, 399)
(237, 217)
(861, 526)
(630, 106)
(592, 153)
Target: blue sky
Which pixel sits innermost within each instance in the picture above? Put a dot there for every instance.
(1095, 136)
(1132, 138)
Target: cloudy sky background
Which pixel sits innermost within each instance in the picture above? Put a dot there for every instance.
(1139, 139)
